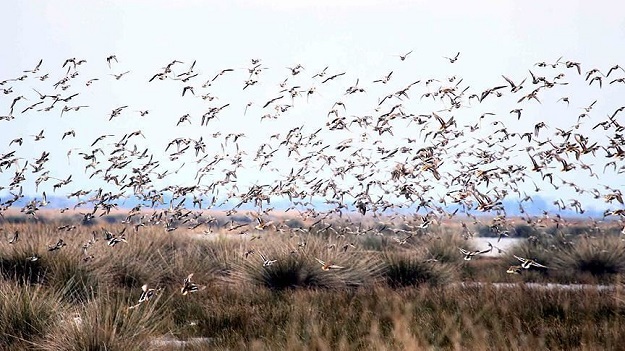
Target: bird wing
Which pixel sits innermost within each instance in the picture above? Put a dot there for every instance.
(523, 260)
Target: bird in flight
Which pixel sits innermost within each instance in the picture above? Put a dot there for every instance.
(111, 59)
(266, 262)
(326, 266)
(189, 287)
(146, 295)
(404, 56)
(189, 88)
(36, 69)
(527, 263)
(59, 244)
(453, 59)
(119, 76)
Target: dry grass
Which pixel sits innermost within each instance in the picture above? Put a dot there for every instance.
(601, 258)
(393, 299)
(26, 313)
(106, 323)
(408, 269)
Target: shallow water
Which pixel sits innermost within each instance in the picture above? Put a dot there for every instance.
(168, 341)
(539, 286)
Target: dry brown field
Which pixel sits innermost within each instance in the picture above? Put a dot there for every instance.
(387, 295)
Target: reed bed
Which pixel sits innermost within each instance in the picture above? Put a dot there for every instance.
(389, 297)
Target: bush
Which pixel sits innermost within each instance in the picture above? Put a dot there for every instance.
(602, 257)
(297, 266)
(288, 272)
(445, 248)
(410, 269)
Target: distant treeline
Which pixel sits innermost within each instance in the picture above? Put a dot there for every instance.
(527, 231)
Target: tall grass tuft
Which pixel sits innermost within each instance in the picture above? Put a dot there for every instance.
(290, 271)
(161, 259)
(601, 257)
(404, 269)
(444, 248)
(26, 314)
(299, 267)
(540, 251)
(23, 263)
(106, 323)
(74, 278)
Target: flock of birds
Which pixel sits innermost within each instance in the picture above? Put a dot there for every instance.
(418, 152)
(526, 263)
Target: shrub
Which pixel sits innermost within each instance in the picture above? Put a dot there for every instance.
(411, 269)
(539, 252)
(602, 257)
(288, 272)
(444, 248)
(297, 267)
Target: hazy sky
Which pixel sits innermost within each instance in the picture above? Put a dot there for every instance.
(499, 34)
(363, 38)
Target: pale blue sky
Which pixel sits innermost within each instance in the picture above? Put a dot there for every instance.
(362, 38)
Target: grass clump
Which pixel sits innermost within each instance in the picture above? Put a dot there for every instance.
(106, 323)
(299, 266)
(289, 271)
(411, 269)
(161, 259)
(26, 313)
(601, 258)
(444, 248)
(23, 263)
(73, 277)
